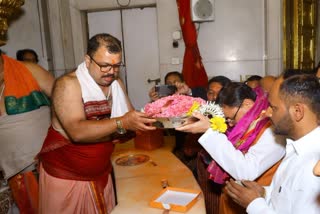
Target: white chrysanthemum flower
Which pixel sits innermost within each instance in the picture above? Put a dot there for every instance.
(211, 109)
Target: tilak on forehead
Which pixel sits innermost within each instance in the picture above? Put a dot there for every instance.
(112, 56)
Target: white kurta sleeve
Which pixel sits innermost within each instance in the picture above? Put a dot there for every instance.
(259, 206)
(260, 157)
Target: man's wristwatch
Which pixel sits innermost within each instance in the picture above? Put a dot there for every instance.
(120, 128)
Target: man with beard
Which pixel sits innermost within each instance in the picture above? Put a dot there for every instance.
(90, 111)
(295, 188)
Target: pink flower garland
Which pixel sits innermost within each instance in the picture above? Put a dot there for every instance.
(171, 106)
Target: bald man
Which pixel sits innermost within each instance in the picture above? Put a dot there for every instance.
(266, 82)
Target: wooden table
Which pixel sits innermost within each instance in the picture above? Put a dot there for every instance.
(136, 185)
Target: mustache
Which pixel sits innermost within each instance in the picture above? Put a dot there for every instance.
(109, 75)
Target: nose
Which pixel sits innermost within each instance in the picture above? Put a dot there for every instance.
(111, 71)
(230, 123)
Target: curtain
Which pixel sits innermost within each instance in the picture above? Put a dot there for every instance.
(193, 71)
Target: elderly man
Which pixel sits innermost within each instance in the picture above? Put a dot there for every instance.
(90, 111)
(24, 121)
(294, 108)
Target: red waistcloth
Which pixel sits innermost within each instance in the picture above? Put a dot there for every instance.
(64, 159)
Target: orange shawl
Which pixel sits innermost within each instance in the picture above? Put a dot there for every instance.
(22, 93)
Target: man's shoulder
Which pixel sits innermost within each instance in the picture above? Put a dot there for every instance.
(66, 80)
(69, 77)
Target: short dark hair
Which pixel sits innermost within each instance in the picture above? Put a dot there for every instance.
(234, 93)
(220, 79)
(112, 44)
(292, 72)
(254, 78)
(174, 73)
(20, 54)
(302, 88)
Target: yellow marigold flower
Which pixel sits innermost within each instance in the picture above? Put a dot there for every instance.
(218, 124)
(195, 106)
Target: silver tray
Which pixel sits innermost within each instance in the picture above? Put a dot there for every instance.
(169, 122)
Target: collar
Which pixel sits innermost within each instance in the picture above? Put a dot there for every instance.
(306, 144)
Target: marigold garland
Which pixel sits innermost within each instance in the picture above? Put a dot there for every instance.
(218, 124)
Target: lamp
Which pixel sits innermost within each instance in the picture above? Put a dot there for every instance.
(7, 8)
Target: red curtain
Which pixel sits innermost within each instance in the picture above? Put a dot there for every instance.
(193, 71)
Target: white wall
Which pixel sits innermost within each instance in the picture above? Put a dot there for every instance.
(244, 39)
(232, 45)
(27, 32)
(140, 57)
(235, 44)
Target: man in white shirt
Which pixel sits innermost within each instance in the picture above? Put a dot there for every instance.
(294, 110)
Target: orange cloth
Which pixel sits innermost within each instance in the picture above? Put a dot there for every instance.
(22, 93)
(24, 188)
(17, 74)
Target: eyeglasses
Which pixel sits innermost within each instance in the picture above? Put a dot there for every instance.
(107, 67)
(231, 120)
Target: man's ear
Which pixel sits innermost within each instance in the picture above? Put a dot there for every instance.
(297, 111)
(87, 59)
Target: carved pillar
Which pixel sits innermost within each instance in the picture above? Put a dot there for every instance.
(300, 27)
(61, 36)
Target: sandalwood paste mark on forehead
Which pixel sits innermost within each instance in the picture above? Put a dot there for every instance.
(113, 58)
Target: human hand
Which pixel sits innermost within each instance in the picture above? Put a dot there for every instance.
(182, 88)
(134, 120)
(198, 123)
(153, 94)
(244, 194)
